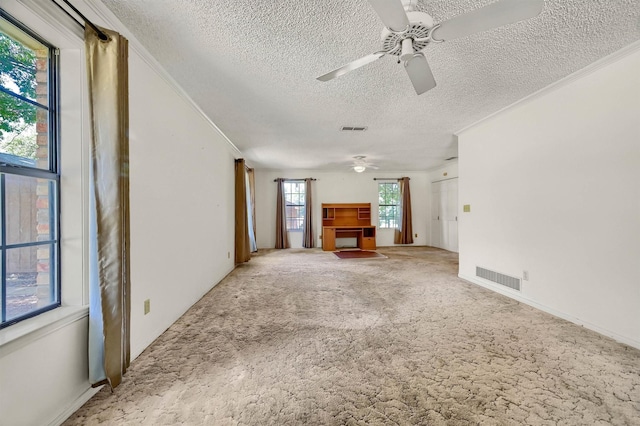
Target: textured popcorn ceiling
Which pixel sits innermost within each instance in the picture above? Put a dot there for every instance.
(251, 66)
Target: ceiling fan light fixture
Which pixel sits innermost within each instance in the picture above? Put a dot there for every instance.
(359, 169)
(407, 49)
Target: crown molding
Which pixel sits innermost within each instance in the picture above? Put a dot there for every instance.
(588, 70)
(105, 15)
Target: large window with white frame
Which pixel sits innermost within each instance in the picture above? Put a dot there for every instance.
(29, 174)
(388, 204)
(294, 195)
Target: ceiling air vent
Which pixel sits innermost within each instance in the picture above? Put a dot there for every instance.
(353, 128)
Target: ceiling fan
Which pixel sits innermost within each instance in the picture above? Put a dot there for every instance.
(407, 32)
(360, 164)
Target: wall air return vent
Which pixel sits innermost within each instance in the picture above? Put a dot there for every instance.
(498, 278)
(353, 128)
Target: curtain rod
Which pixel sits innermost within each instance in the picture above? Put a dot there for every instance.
(275, 180)
(100, 33)
(389, 178)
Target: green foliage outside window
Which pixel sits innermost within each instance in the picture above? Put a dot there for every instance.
(17, 117)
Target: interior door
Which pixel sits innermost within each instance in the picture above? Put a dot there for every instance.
(444, 214)
(451, 217)
(436, 224)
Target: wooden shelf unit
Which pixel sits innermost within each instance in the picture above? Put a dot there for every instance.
(346, 214)
(347, 220)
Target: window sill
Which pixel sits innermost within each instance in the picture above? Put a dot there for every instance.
(28, 331)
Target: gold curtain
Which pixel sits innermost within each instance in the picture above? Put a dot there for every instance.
(252, 196)
(404, 235)
(243, 247)
(110, 287)
(307, 234)
(282, 236)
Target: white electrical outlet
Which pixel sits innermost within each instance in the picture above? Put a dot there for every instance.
(525, 275)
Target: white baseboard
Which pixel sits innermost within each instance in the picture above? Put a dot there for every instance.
(520, 298)
(74, 406)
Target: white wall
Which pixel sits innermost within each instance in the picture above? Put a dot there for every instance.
(182, 205)
(182, 222)
(339, 187)
(448, 171)
(554, 188)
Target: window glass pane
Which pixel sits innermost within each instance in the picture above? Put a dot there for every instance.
(24, 63)
(294, 199)
(24, 71)
(28, 198)
(24, 133)
(388, 201)
(30, 209)
(394, 195)
(30, 280)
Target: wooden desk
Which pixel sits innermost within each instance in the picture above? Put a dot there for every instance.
(364, 235)
(347, 220)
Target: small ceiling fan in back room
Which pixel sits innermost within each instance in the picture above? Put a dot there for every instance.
(359, 164)
(407, 32)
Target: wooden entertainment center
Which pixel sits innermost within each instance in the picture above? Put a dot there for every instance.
(347, 220)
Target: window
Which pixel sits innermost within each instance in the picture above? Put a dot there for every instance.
(388, 204)
(29, 179)
(294, 204)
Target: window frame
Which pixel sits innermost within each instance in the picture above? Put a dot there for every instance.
(52, 173)
(299, 218)
(381, 216)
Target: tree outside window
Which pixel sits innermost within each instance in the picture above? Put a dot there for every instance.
(18, 69)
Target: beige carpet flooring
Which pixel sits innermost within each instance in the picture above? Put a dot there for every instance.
(300, 337)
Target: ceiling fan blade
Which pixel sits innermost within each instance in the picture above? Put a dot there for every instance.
(494, 15)
(420, 73)
(392, 14)
(351, 66)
